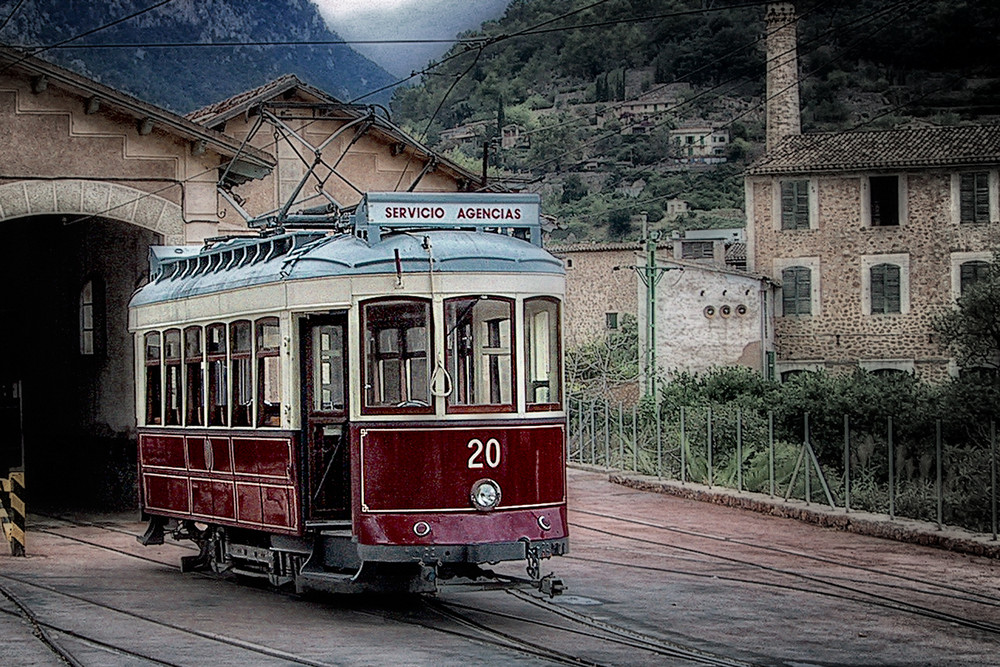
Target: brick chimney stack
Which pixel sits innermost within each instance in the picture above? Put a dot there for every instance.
(783, 112)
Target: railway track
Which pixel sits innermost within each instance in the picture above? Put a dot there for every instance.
(438, 616)
(840, 586)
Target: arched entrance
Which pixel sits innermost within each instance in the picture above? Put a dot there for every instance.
(76, 250)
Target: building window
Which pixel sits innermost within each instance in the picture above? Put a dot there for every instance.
(974, 197)
(885, 289)
(883, 198)
(91, 317)
(569, 263)
(611, 320)
(971, 273)
(697, 249)
(796, 291)
(795, 204)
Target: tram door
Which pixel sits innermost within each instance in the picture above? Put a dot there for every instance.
(324, 401)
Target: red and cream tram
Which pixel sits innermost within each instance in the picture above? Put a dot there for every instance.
(371, 408)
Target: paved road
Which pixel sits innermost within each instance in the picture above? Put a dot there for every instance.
(653, 580)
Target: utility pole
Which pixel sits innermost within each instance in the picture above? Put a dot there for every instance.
(650, 275)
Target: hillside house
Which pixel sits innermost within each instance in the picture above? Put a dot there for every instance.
(699, 143)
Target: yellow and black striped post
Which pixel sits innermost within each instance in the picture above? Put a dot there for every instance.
(12, 515)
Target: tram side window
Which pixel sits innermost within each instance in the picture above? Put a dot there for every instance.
(397, 349)
(268, 372)
(218, 388)
(172, 365)
(479, 354)
(194, 384)
(541, 331)
(154, 393)
(241, 372)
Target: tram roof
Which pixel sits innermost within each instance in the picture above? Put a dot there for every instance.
(179, 272)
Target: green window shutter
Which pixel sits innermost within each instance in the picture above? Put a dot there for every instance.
(970, 273)
(974, 197)
(795, 204)
(796, 291)
(885, 289)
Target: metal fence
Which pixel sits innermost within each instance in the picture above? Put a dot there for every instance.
(883, 467)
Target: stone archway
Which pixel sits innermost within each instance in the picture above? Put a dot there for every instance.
(93, 198)
(76, 237)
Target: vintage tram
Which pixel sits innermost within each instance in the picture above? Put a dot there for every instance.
(371, 407)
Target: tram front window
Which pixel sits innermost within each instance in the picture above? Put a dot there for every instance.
(397, 347)
(154, 395)
(172, 362)
(479, 353)
(541, 330)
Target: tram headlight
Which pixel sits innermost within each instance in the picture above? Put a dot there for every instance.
(485, 495)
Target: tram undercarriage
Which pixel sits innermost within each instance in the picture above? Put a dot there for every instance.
(329, 561)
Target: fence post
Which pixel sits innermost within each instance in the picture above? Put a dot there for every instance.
(635, 438)
(579, 427)
(847, 463)
(739, 450)
(659, 440)
(993, 474)
(805, 433)
(770, 448)
(892, 474)
(593, 432)
(607, 436)
(683, 446)
(710, 447)
(621, 435)
(938, 483)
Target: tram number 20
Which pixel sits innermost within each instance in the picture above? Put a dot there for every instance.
(488, 453)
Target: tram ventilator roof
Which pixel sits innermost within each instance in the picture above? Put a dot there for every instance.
(404, 231)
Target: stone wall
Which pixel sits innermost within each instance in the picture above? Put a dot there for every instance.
(594, 288)
(842, 331)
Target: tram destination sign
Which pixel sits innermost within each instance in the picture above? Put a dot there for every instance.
(451, 209)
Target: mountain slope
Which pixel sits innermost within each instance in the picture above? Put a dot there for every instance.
(186, 78)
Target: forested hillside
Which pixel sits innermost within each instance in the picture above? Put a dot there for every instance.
(562, 70)
(159, 69)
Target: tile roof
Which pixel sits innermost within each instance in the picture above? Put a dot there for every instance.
(962, 146)
(211, 114)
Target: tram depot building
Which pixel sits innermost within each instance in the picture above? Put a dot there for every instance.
(90, 179)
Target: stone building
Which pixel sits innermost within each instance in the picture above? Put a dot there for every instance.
(707, 312)
(871, 234)
(90, 179)
(600, 288)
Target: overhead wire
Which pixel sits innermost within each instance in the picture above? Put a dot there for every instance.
(123, 19)
(276, 140)
(11, 14)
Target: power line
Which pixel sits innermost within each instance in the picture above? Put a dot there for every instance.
(11, 14)
(85, 34)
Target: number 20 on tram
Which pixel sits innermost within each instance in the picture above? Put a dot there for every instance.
(373, 408)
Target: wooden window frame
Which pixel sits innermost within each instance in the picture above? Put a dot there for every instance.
(156, 363)
(242, 360)
(265, 417)
(556, 372)
(485, 407)
(211, 359)
(430, 356)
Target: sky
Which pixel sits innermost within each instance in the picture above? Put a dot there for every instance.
(405, 19)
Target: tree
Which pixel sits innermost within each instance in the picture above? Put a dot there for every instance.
(972, 330)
